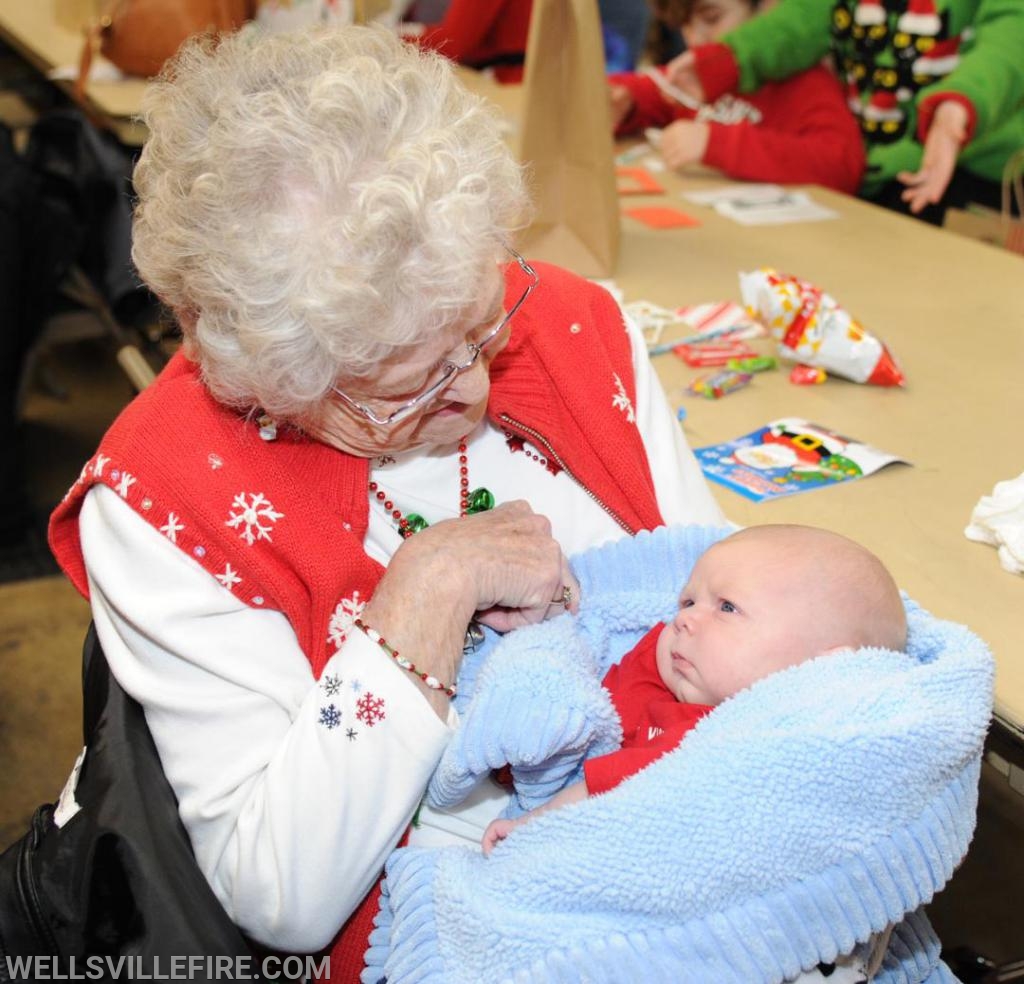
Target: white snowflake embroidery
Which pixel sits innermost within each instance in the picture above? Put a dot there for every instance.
(125, 483)
(621, 401)
(99, 465)
(348, 610)
(229, 578)
(250, 514)
(172, 528)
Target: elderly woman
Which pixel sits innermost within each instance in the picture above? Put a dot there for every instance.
(385, 428)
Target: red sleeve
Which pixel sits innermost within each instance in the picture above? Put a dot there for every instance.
(717, 70)
(467, 24)
(931, 102)
(807, 135)
(650, 107)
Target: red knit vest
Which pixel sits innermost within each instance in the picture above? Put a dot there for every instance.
(281, 523)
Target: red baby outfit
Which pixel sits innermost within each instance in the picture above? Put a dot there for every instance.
(653, 721)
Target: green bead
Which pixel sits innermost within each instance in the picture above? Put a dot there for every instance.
(416, 522)
(480, 500)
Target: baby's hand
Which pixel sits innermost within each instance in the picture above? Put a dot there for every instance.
(497, 830)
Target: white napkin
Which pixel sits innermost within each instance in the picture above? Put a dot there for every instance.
(998, 519)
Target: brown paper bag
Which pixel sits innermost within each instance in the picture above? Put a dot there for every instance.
(566, 140)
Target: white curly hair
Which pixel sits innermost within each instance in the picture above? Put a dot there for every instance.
(310, 204)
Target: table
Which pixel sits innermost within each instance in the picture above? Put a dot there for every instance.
(47, 34)
(952, 312)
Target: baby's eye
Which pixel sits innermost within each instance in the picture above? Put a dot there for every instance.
(727, 606)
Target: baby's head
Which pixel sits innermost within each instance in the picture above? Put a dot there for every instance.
(770, 597)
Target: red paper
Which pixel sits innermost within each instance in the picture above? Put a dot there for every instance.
(660, 217)
(636, 181)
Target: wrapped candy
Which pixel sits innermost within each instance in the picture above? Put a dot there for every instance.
(812, 328)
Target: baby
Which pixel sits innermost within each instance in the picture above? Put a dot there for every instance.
(759, 601)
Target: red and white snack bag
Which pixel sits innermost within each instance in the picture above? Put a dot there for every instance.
(812, 328)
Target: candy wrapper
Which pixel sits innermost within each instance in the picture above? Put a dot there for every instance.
(812, 328)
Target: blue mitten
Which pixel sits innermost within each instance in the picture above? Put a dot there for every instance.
(538, 705)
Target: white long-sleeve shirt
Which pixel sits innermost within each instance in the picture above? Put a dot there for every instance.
(294, 790)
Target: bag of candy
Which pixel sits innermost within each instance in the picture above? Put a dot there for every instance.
(813, 329)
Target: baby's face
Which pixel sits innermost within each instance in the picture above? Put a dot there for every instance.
(742, 615)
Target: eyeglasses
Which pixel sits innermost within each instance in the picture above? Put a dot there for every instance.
(448, 370)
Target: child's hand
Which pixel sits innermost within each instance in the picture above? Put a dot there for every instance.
(620, 101)
(684, 142)
(946, 136)
(497, 831)
(682, 73)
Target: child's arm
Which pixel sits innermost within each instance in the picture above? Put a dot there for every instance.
(638, 103)
(498, 830)
(807, 136)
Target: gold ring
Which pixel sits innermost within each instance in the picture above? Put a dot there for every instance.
(566, 597)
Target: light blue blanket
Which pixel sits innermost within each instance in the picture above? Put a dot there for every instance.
(796, 820)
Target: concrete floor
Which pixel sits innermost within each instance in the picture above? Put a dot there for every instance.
(43, 622)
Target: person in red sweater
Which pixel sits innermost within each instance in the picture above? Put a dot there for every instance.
(483, 34)
(795, 131)
(758, 602)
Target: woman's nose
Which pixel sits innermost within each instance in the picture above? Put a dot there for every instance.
(470, 385)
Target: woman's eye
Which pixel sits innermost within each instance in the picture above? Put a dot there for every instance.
(727, 606)
(686, 603)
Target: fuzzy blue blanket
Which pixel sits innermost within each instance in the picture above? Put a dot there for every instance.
(800, 817)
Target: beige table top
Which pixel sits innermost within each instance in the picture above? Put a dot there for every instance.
(952, 312)
(45, 33)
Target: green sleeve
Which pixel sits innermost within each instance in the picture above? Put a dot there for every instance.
(788, 39)
(989, 72)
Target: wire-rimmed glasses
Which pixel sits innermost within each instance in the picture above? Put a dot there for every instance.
(448, 369)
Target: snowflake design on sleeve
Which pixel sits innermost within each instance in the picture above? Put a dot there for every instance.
(347, 611)
(621, 401)
(331, 684)
(255, 516)
(330, 717)
(370, 709)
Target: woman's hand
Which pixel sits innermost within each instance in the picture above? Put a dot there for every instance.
(946, 136)
(503, 563)
(620, 101)
(682, 73)
(684, 142)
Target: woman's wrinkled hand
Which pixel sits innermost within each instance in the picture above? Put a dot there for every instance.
(682, 73)
(942, 146)
(503, 565)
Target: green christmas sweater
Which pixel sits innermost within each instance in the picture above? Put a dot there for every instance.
(899, 59)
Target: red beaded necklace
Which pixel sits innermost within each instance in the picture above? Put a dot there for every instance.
(479, 500)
